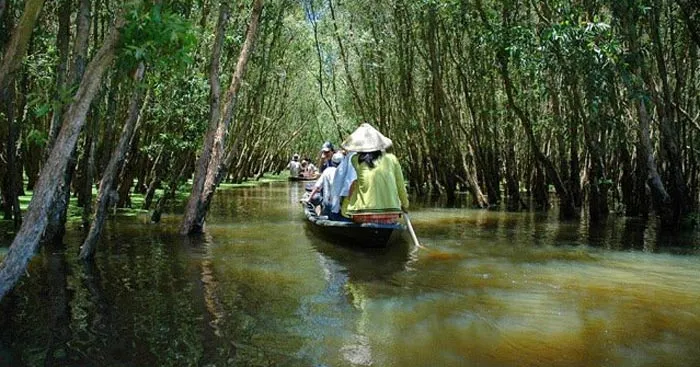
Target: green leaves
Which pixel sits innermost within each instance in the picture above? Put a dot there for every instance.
(158, 37)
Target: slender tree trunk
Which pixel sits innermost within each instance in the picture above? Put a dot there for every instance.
(27, 239)
(19, 43)
(155, 179)
(348, 75)
(660, 196)
(512, 179)
(59, 212)
(647, 168)
(669, 129)
(170, 191)
(80, 46)
(14, 170)
(474, 188)
(110, 121)
(312, 16)
(204, 183)
(128, 171)
(192, 209)
(86, 184)
(63, 47)
(87, 251)
(6, 147)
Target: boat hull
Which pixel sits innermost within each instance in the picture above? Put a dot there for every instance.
(354, 234)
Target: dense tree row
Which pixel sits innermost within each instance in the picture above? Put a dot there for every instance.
(595, 101)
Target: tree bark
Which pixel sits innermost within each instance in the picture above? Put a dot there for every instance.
(669, 129)
(56, 227)
(27, 239)
(209, 163)
(87, 251)
(191, 211)
(63, 47)
(19, 43)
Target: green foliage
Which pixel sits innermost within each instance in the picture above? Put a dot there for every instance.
(36, 138)
(158, 37)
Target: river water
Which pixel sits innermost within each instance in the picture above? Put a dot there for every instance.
(260, 289)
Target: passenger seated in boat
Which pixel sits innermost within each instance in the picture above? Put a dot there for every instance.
(308, 170)
(321, 195)
(327, 151)
(378, 194)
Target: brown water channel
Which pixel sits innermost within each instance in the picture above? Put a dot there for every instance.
(260, 289)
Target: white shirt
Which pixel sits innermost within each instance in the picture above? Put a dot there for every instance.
(325, 182)
(294, 168)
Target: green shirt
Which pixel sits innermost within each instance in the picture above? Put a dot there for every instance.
(379, 189)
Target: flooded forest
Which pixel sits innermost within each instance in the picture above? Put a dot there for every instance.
(573, 111)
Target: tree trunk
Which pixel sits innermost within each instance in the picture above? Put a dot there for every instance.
(108, 138)
(192, 208)
(669, 129)
(63, 47)
(170, 191)
(209, 163)
(27, 239)
(59, 212)
(348, 75)
(512, 179)
(128, 171)
(472, 181)
(87, 251)
(155, 179)
(19, 43)
(566, 204)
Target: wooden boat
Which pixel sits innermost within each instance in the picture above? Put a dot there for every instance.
(354, 234)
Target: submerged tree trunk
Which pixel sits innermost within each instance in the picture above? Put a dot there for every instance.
(27, 239)
(87, 250)
(479, 198)
(209, 163)
(191, 210)
(567, 206)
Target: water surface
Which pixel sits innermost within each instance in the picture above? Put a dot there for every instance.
(260, 289)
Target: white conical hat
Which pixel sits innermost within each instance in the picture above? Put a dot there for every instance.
(366, 139)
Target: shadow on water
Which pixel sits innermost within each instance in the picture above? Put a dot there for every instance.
(361, 264)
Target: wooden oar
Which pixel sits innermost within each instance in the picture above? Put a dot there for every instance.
(411, 231)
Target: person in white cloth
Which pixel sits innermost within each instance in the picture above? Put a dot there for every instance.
(324, 185)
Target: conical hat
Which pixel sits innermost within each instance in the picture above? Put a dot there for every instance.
(366, 139)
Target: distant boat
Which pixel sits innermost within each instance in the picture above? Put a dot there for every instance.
(303, 178)
(354, 234)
